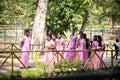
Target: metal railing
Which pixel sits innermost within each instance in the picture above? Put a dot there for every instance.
(14, 49)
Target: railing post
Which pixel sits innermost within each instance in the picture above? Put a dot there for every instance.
(111, 58)
(57, 56)
(36, 61)
(12, 58)
(31, 56)
(107, 51)
(77, 55)
(94, 60)
(12, 62)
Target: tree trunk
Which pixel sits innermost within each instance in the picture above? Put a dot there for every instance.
(112, 22)
(85, 18)
(39, 24)
(83, 24)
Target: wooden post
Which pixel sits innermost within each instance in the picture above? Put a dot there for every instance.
(77, 55)
(94, 60)
(57, 56)
(12, 63)
(107, 51)
(36, 61)
(112, 58)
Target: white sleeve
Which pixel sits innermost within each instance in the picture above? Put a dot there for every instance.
(119, 45)
(103, 44)
(52, 42)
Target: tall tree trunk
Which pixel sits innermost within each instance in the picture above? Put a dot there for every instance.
(39, 24)
(112, 22)
(83, 24)
(85, 18)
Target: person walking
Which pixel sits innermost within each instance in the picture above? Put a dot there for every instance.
(116, 46)
(49, 46)
(93, 46)
(71, 47)
(82, 55)
(60, 45)
(25, 47)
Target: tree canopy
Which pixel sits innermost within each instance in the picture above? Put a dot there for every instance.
(62, 14)
(17, 10)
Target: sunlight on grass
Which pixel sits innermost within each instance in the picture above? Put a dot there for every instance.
(42, 69)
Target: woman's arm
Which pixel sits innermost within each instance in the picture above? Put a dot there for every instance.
(53, 45)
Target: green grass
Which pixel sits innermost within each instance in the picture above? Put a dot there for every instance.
(5, 77)
(42, 70)
(29, 73)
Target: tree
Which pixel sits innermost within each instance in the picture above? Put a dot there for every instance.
(67, 14)
(17, 10)
(39, 23)
(110, 10)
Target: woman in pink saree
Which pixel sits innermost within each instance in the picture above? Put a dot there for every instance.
(49, 45)
(71, 46)
(93, 45)
(100, 45)
(82, 55)
(60, 45)
(25, 47)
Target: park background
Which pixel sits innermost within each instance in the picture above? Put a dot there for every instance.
(91, 16)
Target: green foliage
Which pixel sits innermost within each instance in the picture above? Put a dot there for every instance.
(102, 11)
(17, 11)
(64, 14)
(66, 65)
(42, 69)
(67, 35)
(4, 77)
(61, 14)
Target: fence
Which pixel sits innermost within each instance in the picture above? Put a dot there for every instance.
(15, 32)
(103, 32)
(10, 33)
(13, 49)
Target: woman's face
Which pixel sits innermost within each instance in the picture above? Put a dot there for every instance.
(59, 36)
(95, 38)
(48, 38)
(81, 36)
(98, 38)
(27, 33)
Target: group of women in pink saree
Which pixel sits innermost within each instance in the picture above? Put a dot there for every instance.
(66, 51)
(81, 43)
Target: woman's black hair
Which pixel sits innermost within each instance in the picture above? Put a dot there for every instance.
(95, 37)
(117, 40)
(84, 36)
(81, 34)
(87, 43)
(48, 32)
(27, 30)
(99, 40)
(60, 33)
(86, 40)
